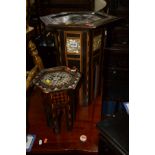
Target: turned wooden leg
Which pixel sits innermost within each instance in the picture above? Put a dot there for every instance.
(69, 118)
(47, 109)
(55, 120)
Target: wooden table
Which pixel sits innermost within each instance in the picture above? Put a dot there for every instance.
(79, 38)
(59, 86)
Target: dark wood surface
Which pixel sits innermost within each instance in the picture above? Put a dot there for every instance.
(88, 59)
(116, 55)
(67, 142)
(115, 134)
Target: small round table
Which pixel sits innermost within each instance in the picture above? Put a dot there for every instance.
(59, 86)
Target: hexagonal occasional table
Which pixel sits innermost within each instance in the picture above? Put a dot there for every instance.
(79, 40)
(59, 85)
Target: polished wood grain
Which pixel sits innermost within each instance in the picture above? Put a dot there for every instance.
(67, 142)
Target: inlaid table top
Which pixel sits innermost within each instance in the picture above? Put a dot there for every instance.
(57, 79)
(83, 19)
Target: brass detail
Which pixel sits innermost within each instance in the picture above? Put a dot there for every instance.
(97, 42)
(73, 59)
(37, 61)
(34, 53)
(32, 47)
(30, 76)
